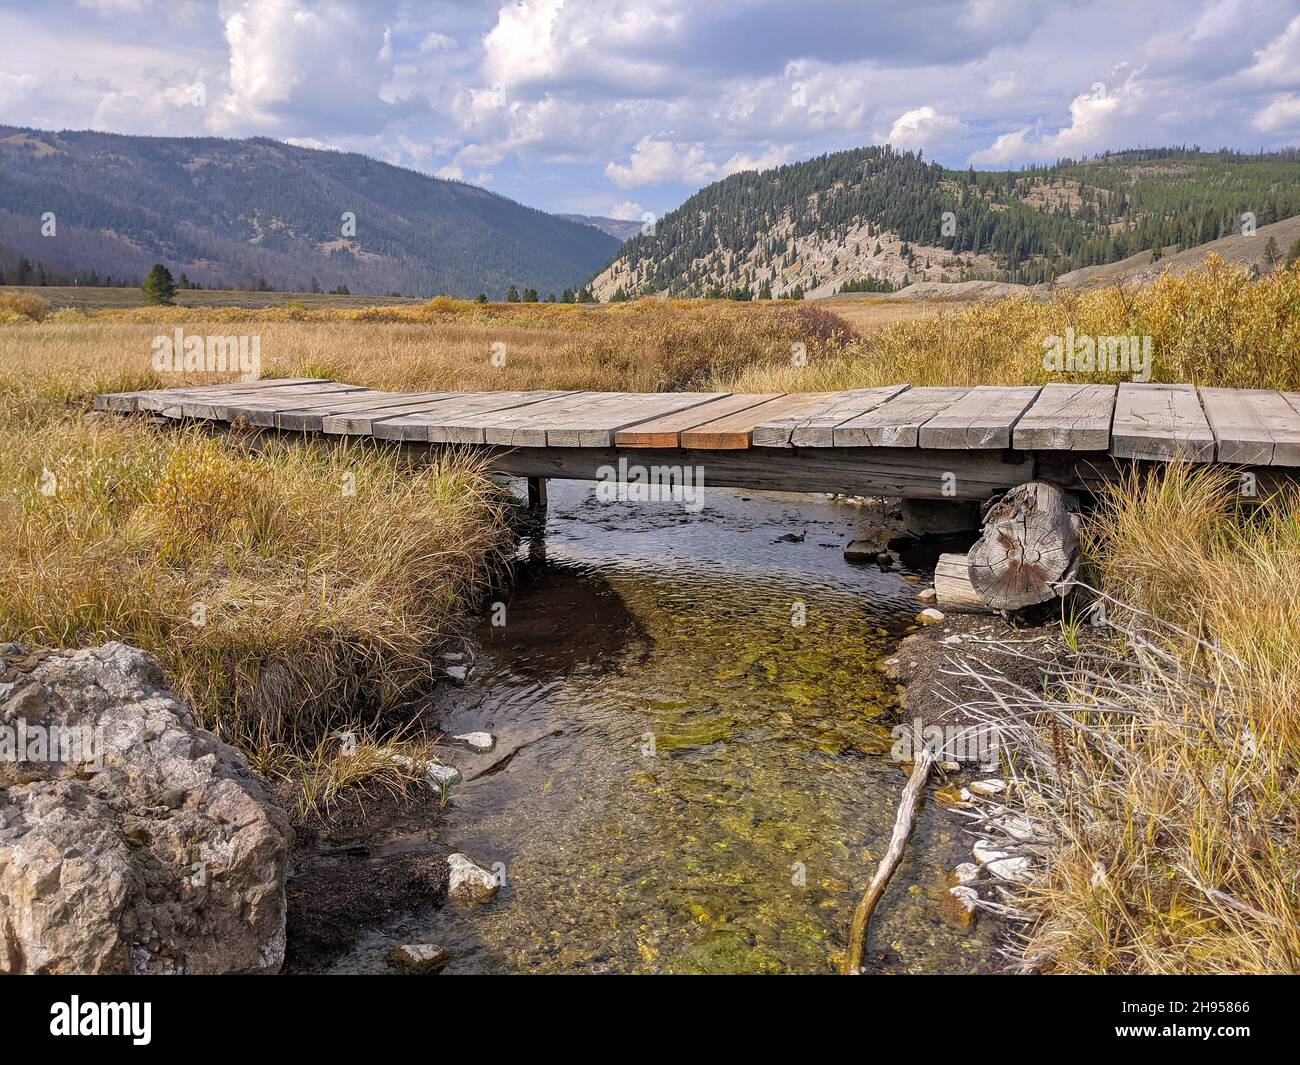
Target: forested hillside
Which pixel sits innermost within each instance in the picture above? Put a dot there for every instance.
(874, 218)
(259, 213)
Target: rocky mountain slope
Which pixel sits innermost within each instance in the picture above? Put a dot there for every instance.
(875, 219)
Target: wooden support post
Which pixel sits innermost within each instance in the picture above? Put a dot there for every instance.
(536, 493)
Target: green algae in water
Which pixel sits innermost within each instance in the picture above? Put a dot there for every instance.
(721, 791)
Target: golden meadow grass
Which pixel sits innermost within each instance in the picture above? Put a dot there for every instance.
(1175, 805)
(314, 608)
(283, 607)
(1213, 327)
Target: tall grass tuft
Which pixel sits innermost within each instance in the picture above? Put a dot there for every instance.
(1166, 768)
(290, 588)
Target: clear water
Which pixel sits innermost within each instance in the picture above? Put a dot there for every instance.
(685, 779)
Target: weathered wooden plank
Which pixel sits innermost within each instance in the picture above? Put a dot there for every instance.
(126, 401)
(525, 425)
(1160, 422)
(868, 471)
(595, 425)
(117, 402)
(224, 407)
(666, 431)
(464, 421)
(1293, 400)
(311, 417)
(587, 419)
(267, 412)
(1254, 427)
(897, 423)
(981, 419)
(157, 399)
(734, 431)
(164, 398)
(816, 427)
(1067, 417)
(361, 422)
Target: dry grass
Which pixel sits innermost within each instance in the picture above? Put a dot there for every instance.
(1169, 770)
(447, 344)
(1214, 327)
(290, 588)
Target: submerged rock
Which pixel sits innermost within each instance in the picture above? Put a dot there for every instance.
(967, 897)
(440, 776)
(470, 884)
(153, 849)
(419, 957)
(457, 673)
(863, 551)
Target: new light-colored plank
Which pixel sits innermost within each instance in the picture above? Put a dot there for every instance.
(666, 431)
(983, 418)
(816, 427)
(1252, 427)
(734, 431)
(897, 423)
(1160, 422)
(464, 421)
(1067, 417)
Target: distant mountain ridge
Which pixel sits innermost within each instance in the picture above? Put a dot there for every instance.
(233, 213)
(878, 219)
(621, 228)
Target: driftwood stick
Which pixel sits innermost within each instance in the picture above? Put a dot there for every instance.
(885, 870)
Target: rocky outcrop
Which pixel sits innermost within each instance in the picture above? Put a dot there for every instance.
(131, 841)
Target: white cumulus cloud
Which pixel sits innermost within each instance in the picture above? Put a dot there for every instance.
(924, 127)
(655, 161)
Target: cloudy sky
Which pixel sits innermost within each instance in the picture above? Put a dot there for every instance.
(624, 106)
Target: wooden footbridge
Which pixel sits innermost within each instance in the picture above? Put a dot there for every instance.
(927, 443)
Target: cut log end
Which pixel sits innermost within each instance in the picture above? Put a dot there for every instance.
(1028, 551)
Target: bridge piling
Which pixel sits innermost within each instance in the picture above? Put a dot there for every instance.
(537, 494)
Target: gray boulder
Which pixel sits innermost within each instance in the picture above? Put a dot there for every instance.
(145, 844)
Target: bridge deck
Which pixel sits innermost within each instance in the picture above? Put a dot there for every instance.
(1142, 421)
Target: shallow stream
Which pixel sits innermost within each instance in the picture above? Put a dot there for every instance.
(692, 769)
